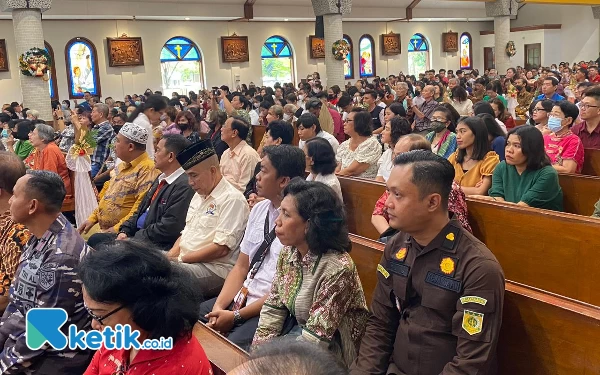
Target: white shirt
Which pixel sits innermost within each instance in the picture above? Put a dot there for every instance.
(218, 218)
(253, 238)
(253, 118)
(385, 164)
(330, 180)
(328, 137)
(143, 121)
(501, 124)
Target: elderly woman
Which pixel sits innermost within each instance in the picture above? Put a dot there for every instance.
(320, 162)
(564, 148)
(358, 155)
(316, 287)
(392, 131)
(32, 115)
(128, 284)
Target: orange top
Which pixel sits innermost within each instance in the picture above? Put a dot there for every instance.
(52, 159)
(474, 175)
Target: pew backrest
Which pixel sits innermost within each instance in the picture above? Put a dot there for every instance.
(580, 193)
(591, 162)
(224, 356)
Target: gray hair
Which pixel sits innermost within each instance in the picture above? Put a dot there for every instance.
(102, 108)
(46, 133)
(403, 85)
(35, 114)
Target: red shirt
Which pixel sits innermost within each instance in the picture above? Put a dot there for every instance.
(338, 125)
(596, 79)
(589, 140)
(567, 147)
(187, 357)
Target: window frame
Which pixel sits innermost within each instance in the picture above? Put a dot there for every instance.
(373, 59)
(53, 80)
(96, 71)
(349, 40)
(468, 35)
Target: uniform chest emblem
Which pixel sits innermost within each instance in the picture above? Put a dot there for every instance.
(401, 254)
(447, 266)
(211, 209)
(472, 322)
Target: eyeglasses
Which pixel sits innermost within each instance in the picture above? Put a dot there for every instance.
(439, 119)
(586, 106)
(99, 319)
(347, 120)
(539, 109)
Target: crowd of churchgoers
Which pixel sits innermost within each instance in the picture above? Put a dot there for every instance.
(161, 212)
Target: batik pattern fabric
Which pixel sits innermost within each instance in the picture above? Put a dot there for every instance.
(324, 294)
(46, 277)
(13, 238)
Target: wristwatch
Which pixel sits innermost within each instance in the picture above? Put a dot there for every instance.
(237, 318)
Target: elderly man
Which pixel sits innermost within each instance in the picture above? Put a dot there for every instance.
(13, 236)
(126, 190)
(237, 163)
(161, 216)
(45, 278)
(216, 219)
(423, 111)
(104, 135)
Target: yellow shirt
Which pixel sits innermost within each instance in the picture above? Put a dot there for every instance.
(124, 192)
(476, 174)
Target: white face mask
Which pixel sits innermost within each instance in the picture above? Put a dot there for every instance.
(300, 97)
(286, 117)
(317, 91)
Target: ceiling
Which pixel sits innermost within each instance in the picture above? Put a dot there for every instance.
(264, 10)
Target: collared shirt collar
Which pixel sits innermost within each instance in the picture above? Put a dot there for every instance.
(172, 177)
(238, 148)
(452, 227)
(583, 128)
(309, 261)
(134, 163)
(219, 189)
(101, 124)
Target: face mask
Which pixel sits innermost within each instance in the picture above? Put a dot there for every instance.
(331, 97)
(183, 126)
(129, 113)
(300, 97)
(256, 105)
(286, 117)
(316, 91)
(117, 128)
(64, 107)
(182, 104)
(437, 126)
(137, 103)
(519, 88)
(554, 124)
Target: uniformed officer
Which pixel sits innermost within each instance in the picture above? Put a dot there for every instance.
(437, 306)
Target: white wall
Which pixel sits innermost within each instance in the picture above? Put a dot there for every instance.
(520, 38)
(117, 82)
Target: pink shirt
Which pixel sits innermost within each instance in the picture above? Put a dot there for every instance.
(567, 147)
(338, 125)
(237, 165)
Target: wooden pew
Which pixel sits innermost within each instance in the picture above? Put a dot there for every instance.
(580, 193)
(224, 356)
(552, 251)
(591, 163)
(541, 333)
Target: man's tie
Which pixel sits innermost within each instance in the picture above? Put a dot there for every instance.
(158, 189)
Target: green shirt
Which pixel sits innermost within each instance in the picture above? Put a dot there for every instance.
(487, 99)
(23, 149)
(539, 189)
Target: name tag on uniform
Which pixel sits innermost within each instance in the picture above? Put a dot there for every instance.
(443, 282)
(398, 268)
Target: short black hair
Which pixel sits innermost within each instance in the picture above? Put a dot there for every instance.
(430, 173)
(285, 355)
(459, 93)
(4, 118)
(48, 188)
(308, 120)
(483, 107)
(532, 146)
(322, 154)
(11, 169)
(569, 109)
(175, 143)
(593, 91)
(281, 129)
(321, 207)
(161, 298)
(554, 80)
(288, 161)
(481, 144)
(241, 126)
(372, 93)
(492, 125)
(344, 101)
(363, 123)
(399, 127)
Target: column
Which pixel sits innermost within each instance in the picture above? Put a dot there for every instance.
(332, 19)
(596, 11)
(27, 25)
(502, 11)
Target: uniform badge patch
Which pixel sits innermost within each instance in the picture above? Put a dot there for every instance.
(401, 254)
(211, 209)
(383, 271)
(473, 299)
(472, 322)
(447, 265)
(47, 276)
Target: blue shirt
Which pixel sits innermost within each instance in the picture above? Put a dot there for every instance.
(555, 97)
(498, 145)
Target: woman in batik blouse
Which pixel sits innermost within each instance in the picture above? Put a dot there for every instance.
(316, 294)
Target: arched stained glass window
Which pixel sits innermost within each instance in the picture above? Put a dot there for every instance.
(418, 55)
(277, 61)
(181, 66)
(348, 65)
(466, 51)
(366, 56)
(51, 75)
(82, 68)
